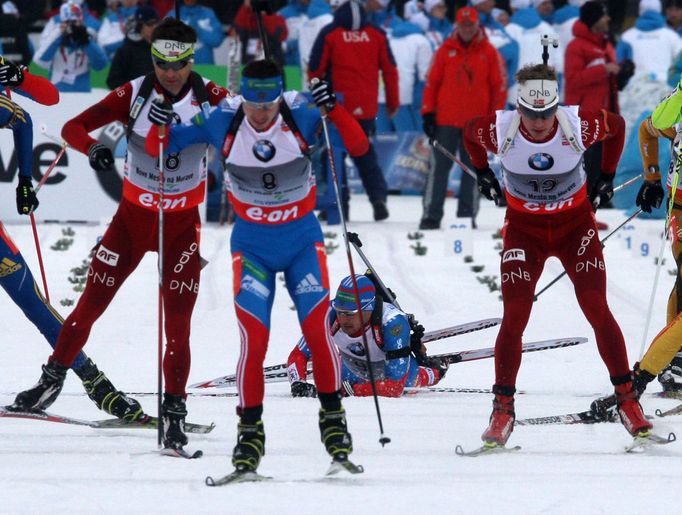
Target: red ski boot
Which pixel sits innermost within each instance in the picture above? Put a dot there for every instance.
(501, 420)
(630, 410)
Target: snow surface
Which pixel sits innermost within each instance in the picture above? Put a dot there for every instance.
(55, 468)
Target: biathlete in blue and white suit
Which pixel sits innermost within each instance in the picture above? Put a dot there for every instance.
(266, 137)
(387, 332)
(15, 276)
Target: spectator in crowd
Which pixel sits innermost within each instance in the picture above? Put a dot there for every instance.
(319, 15)
(432, 20)
(71, 51)
(591, 75)
(353, 64)
(163, 7)
(465, 81)
(14, 43)
(503, 42)
(650, 44)
(673, 15)
(247, 28)
(207, 26)
(53, 24)
(545, 9)
(132, 59)
(564, 19)
(526, 28)
(501, 16)
(112, 32)
(412, 52)
(295, 14)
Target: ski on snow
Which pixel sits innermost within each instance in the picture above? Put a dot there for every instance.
(641, 442)
(486, 448)
(147, 422)
(181, 453)
(336, 467)
(278, 373)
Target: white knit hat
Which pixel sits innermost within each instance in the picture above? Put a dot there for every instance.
(519, 4)
(649, 5)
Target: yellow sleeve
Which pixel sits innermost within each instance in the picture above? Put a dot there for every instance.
(667, 113)
(648, 148)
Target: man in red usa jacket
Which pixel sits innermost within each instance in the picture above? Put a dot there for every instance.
(349, 53)
(541, 146)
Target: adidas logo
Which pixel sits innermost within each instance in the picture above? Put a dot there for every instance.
(309, 284)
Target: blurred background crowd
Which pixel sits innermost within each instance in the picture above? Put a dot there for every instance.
(444, 61)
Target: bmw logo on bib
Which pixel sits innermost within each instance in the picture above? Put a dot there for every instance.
(540, 161)
(263, 150)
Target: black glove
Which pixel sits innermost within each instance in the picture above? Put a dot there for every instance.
(101, 158)
(650, 195)
(602, 192)
(303, 389)
(416, 334)
(11, 75)
(27, 202)
(488, 184)
(429, 124)
(442, 365)
(323, 95)
(79, 35)
(627, 70)
(160, 112)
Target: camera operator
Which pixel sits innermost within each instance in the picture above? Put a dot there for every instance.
(71, 52)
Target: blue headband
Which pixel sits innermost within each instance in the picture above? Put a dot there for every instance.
(261, 90)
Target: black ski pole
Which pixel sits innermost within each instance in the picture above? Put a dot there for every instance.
(383, 439)
(355, 241)
(603, 242)
(260, 7)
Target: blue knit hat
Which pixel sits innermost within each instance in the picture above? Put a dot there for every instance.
(345, 295)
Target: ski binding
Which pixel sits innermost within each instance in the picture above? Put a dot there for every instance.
(181, 453)
(344, 465)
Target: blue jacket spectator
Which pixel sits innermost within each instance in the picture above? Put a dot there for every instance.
(295, 14)
(209, 31)
(650, 44)
(112, 32)
(71, 51)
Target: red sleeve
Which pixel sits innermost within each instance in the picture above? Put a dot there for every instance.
(40, 89)
(114, 107)
(479, 137)
(389, 72)
(216, 93)
(433, 82)
(354, 138)
(607, 127)
(275, 25)
(298, 359)
(385, 388)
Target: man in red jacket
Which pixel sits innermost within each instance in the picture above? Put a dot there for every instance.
(465, 81)
(591, 73)
(349, 53)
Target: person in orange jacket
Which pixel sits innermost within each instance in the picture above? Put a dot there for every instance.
(466, 80)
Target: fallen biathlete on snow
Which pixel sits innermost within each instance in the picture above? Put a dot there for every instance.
(389, 335)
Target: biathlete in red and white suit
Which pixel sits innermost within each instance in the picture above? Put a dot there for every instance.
(266, 137)
(134, 229)
(549, 214)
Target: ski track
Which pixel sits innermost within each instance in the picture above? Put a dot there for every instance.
(560, 469)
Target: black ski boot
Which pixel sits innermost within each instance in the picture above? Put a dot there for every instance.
(671, 376)
(334, 434)
(604, 408)
(45, 391)
(107, 398)
(250, 447)
(173, 412)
